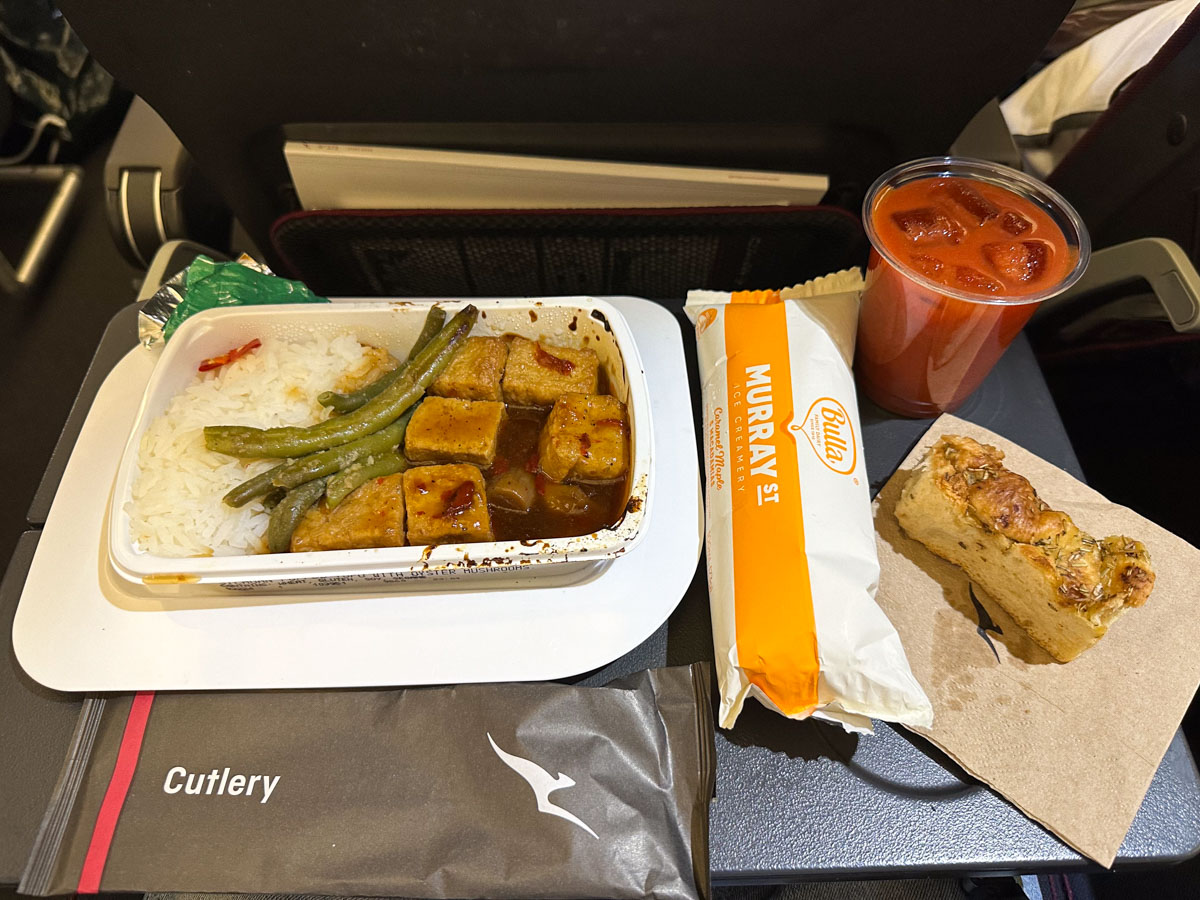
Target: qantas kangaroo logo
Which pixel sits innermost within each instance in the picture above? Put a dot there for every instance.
(543, 785)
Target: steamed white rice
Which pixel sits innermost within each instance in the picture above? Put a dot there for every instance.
(176, 508)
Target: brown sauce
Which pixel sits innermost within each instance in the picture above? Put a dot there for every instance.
(517, 448)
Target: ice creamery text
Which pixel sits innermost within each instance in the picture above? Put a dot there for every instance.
(219, 783)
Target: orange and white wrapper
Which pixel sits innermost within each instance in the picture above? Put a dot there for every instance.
(792, 569)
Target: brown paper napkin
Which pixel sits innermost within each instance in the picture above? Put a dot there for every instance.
(1074, 746)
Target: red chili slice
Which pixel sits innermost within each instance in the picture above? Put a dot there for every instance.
(499, 466)
(585, 444)
(550, 361)
(459, 500)
(215, 362)
(539, 482)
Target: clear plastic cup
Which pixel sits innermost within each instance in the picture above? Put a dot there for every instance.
(925, 345)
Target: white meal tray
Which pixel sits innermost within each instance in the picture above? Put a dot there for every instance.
(80, 627)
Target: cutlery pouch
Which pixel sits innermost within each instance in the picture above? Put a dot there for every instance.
(504, 790)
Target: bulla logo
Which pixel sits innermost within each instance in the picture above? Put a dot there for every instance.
(829, 430)
(706, 318)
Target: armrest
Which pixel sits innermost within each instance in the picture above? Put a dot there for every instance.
(154, 192)
(1159, 262)
(59, 186)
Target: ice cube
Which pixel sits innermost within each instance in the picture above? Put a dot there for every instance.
(929, 266)
(973, 280)
(1021, 261)
(1014, 223)
(928, 225)
(969, 200)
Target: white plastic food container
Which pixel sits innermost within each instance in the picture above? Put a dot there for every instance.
(566, 321)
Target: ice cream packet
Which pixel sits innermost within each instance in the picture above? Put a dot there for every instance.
(792, 567)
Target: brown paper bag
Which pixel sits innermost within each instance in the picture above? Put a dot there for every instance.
(1075, 745)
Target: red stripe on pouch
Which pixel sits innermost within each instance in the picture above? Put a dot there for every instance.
(114, 797)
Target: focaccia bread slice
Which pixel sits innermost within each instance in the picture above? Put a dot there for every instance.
(1063, 586)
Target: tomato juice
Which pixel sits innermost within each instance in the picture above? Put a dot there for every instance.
(958, 265)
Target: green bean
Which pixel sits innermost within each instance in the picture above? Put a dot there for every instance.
(253, 487)
(271, 499)
(433, 324)
(381, 411)
(350, 479)
(327, 462)
(288, 513)
(345, 403)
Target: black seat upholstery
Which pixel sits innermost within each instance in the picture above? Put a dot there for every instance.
(1145, 153)
(820, 85)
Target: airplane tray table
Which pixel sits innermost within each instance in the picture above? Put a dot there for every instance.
(795, 800)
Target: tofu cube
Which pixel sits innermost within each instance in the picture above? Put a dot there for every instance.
(446, 504)
(537, 373)
(445, 429)
(585, 438)
(372, 516)
(475, 371)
